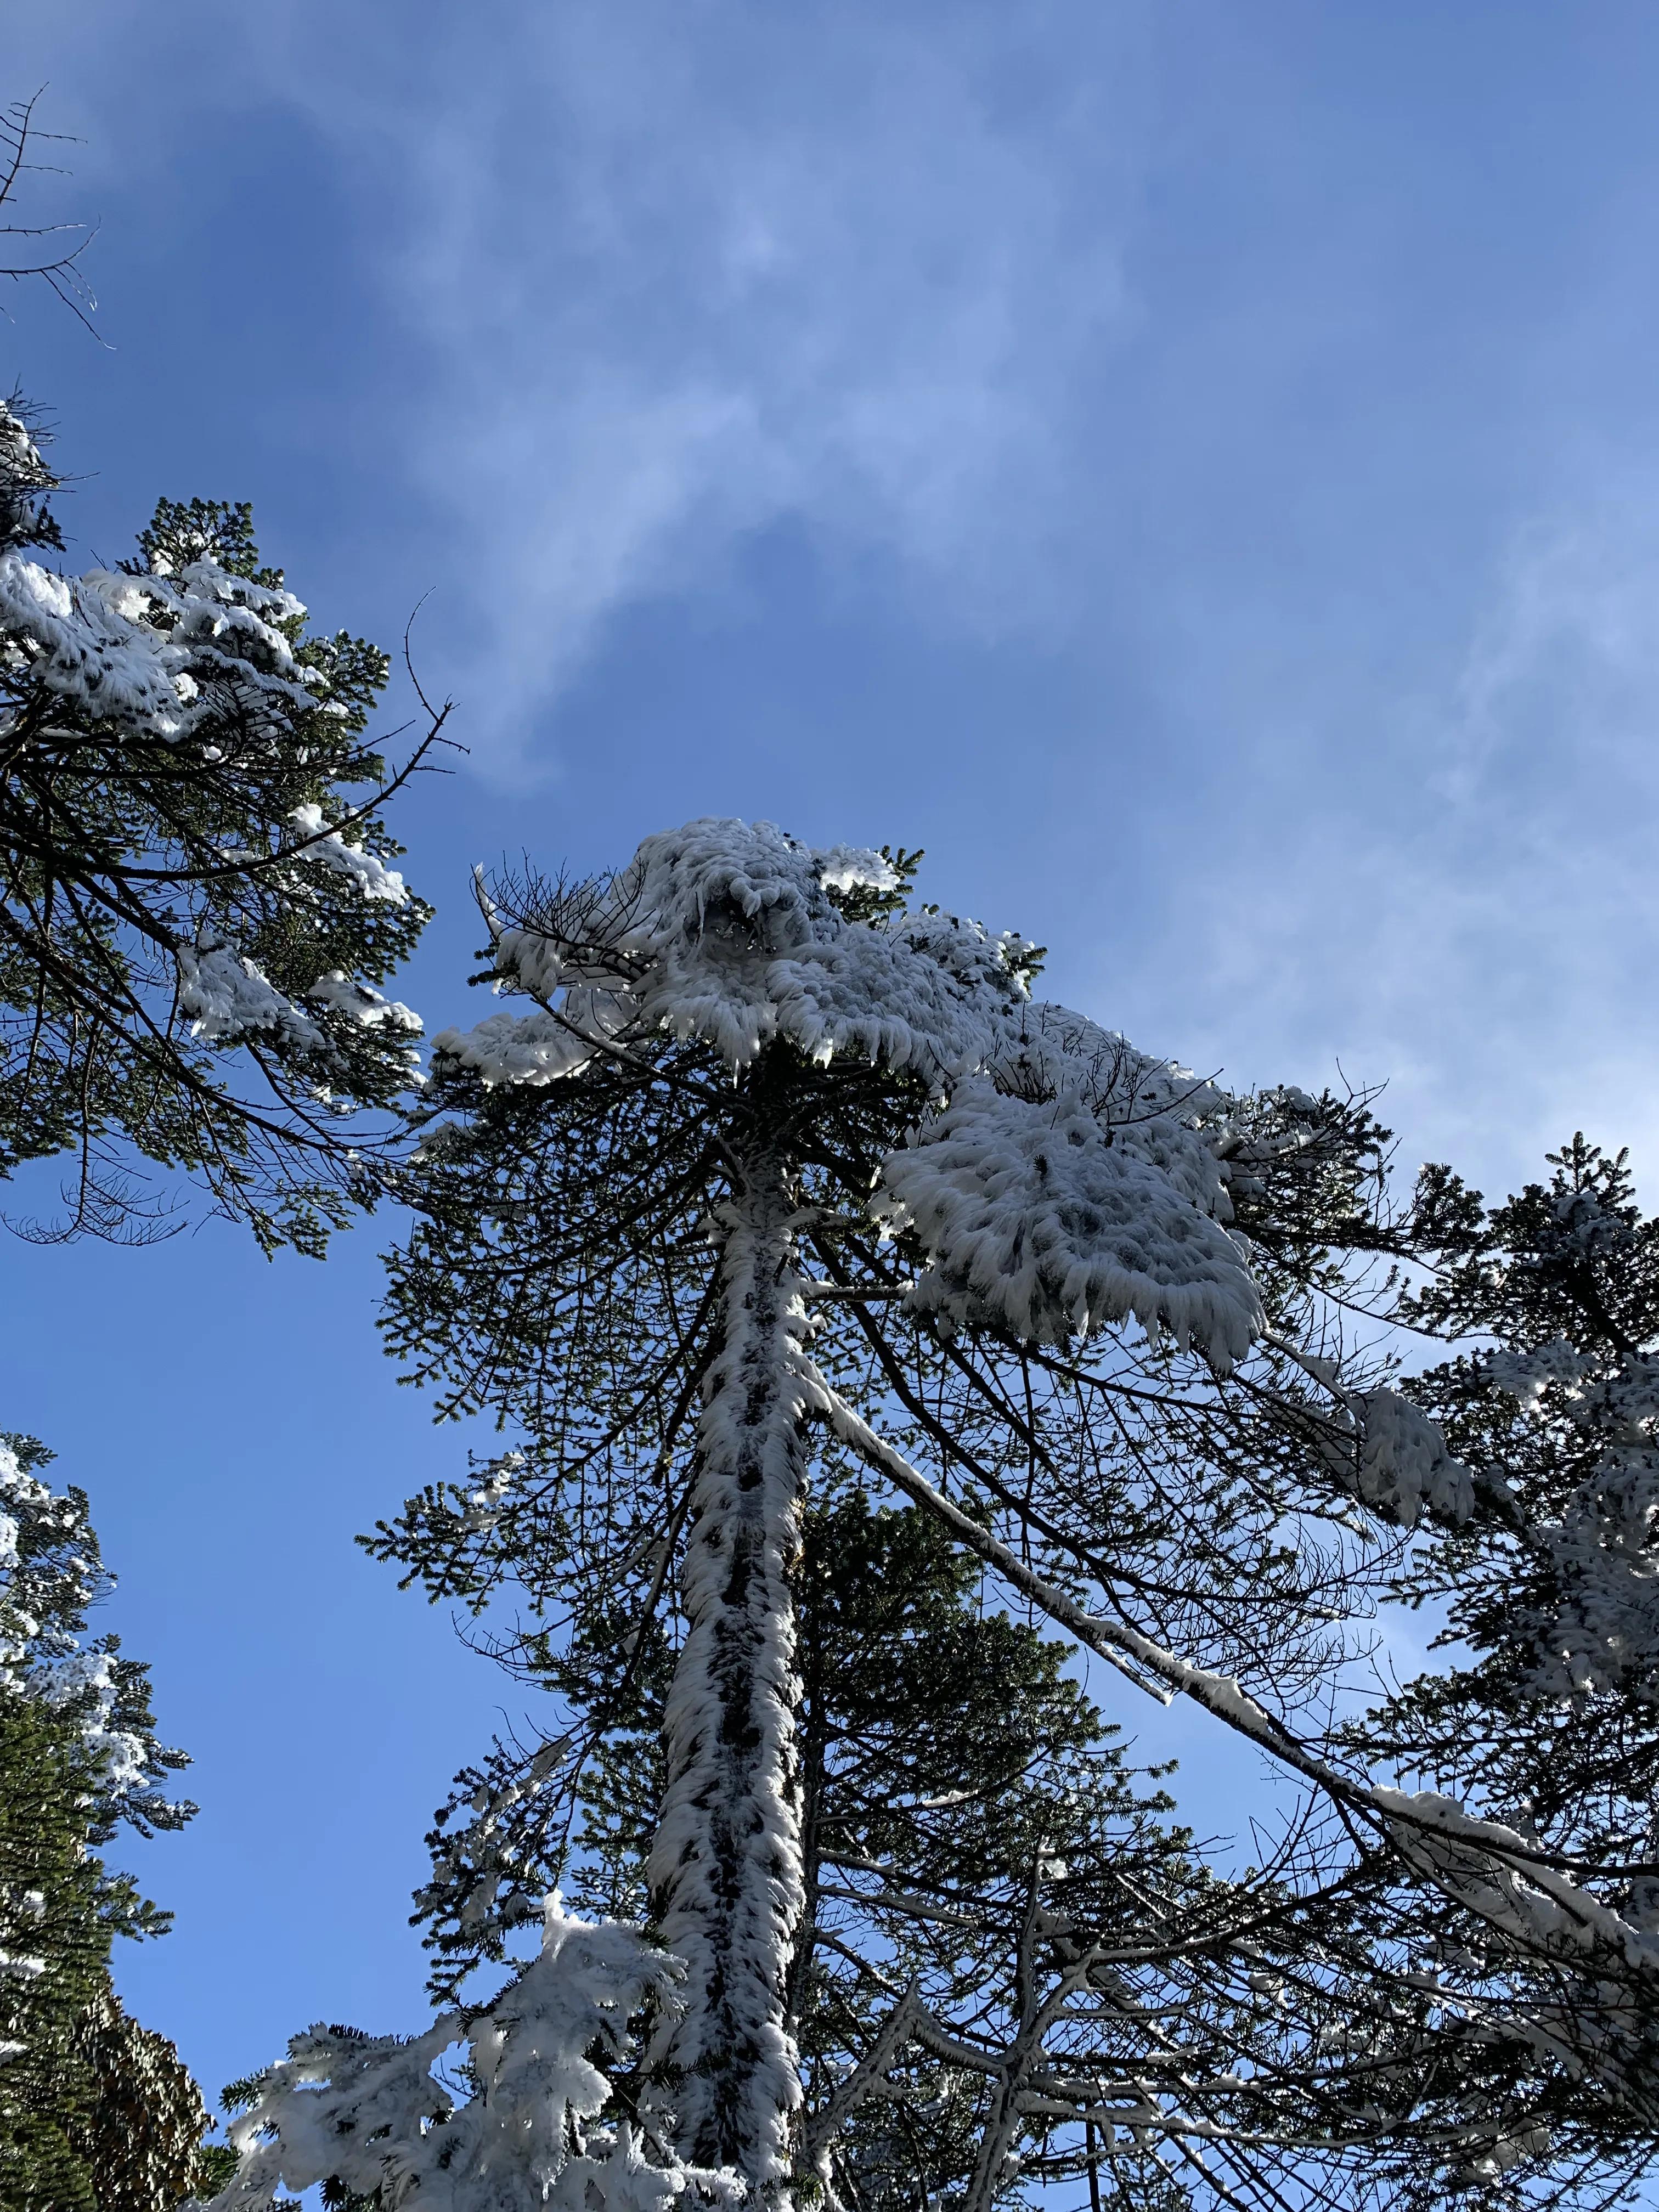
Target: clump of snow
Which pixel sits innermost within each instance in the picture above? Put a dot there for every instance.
(121, 648)
(1387, 1450)
(1596, 1629)
(852, 867)
(48, 1574)
(24, 481)
(981, 961)
(1039, 1221)
(362, 1004)
(1494, 1870)
(1404, 1465)
(1062, 1180)
(1626, 1404)
(1605, 1551)
(727, 930)
(500, 1475)
(532, 1048)
(1526, 1374)
(88, 641)
(318, 842)
(227, 998)
(368, 2111)
(1506, 2153)
(86, 1680)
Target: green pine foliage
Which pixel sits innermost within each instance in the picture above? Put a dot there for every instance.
(197, 900)
(96, 2113)
(139, 2131)
(54, 1942)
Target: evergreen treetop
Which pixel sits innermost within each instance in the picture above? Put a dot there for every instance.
(198, 902)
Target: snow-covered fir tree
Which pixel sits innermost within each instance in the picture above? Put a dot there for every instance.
(95, 2112)
(1550, 1588)
(783, 1183)
(198, 901)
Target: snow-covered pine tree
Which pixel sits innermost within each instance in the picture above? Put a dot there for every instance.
(1549, 1714)
(195, 867)
(95, 2112)
(944, 1759)
(779, 1174)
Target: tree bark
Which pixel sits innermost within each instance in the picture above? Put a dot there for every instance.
(726, 1864)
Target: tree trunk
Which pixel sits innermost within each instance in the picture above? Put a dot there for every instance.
(726, 1867)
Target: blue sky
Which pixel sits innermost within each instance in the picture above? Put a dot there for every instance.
(1192, 468)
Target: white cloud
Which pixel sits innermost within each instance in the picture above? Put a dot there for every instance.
(680, 271)
(1564, 668)
(1460, 894)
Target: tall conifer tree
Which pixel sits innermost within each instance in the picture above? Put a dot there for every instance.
(782, 1176)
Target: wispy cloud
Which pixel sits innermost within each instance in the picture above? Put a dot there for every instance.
(1562, 675)
(1471, 906)
(680, 271)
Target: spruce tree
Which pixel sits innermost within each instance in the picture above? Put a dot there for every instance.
(53, 1946)
(197, 896)
(95, 2112)
(782, 1175)
(1548, 1592)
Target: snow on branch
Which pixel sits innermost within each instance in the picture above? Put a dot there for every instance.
(51, 1573)
(1481, 1865)
(1405, 1465)
(727, 930)
(1035, 1221)
(1386, 1449)
(1069, 1181)
(369, 2113)
(318, 842)
(227, 997)
(1540, 1905)
(1606, 1557)
(121, 647)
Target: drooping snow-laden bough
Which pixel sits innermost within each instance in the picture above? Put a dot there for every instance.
(855, 1309)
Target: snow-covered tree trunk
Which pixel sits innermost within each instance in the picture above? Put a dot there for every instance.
(727, 1863)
